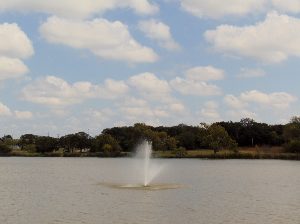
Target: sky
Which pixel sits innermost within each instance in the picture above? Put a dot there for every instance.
(86, 65)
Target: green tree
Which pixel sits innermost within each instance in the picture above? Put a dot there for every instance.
(46, 144)
(27, 139)
(217, 138)
(106, 144)
(4, 148)
(82, 141)
(291, 133)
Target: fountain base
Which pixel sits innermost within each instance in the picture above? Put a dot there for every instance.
(151, 187)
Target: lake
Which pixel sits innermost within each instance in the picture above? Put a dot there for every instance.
(72, 190)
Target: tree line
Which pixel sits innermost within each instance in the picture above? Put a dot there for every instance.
(117, 140)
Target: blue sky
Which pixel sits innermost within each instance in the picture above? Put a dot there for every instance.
(86, 65)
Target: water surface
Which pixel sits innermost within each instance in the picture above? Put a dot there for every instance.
(69, 190)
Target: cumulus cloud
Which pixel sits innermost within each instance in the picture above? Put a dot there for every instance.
(150, 86)
(189, 87)
(23, 115)
(237, 115)
(177, 107)
(11, 68)
(108, 40)
(234, 102)
(210, 111)
(4, 110)
(160, 32)
(78, 8)
(204, 73)
(194, 82)
(143, 113)
(54, 91)
(14, 45)
(251, 73)
(272, 40)
(275, 100)
(292, 6)
(14, 42)
(219, 8)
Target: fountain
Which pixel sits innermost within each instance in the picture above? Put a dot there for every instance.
(145, 169)
(144, 152)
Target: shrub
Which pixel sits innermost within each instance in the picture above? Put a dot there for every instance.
(293, 146)
(180, 152)
(4, 148)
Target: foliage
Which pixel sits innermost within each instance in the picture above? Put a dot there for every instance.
(179, 152)
(106, 144)
(129, 137)
(217, 138)
(247, 132)
(79, 140)
(292, 135)
(293, 146)
(27, 139)
(4, 148)
(174, 141)
(30, 148)
(46, 144)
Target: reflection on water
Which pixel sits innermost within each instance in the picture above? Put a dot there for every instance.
(67, 190)
(152, 187)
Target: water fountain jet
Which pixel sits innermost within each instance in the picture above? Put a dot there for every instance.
(147, 169)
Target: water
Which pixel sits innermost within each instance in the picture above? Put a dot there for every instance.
(69, 190)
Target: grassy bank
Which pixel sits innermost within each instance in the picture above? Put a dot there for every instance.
(243, 153)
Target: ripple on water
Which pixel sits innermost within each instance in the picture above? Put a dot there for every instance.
(152, 187)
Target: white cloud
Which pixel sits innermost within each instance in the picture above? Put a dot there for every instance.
(195, 83)
(78, 8)
(11, 68)
(133, 101)
(273, 40)
(292, 6)
(4, 110)
(14, 42)
(219, 8)
(23, 115)
(204, 73)
(251, 73)
(234, 102)
(143, 113)
(14, 45)
(54, 91)
(150, 86)
(177, 107)
(210, 111)
(160, 32)
(276, 100)
(98, 116)
(237, 115)
(112, 89)
(109, 40)
(190, 87)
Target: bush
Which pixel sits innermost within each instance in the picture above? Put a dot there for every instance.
(29, 148)
(4, 148)
(293, 146)
(180, 152)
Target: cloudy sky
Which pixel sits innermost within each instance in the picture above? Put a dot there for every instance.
(85, 65)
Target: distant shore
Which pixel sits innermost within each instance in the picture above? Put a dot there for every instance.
(243, 153)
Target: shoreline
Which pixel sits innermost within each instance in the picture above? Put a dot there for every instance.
(167, 155)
